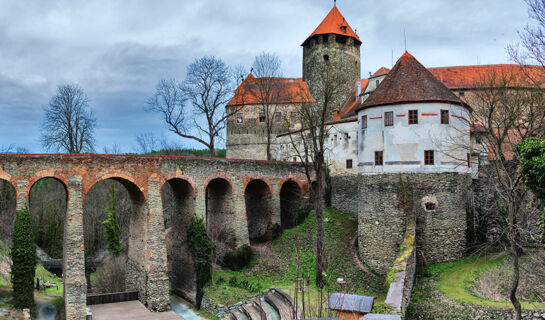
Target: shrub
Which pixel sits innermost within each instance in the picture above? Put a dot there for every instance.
(23, 256)
(111, 226)
(110, 276)
(201, 251)
(276, 231)
(236, 260)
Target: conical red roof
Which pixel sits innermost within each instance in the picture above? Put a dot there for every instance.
(408, 82)
(335, 23)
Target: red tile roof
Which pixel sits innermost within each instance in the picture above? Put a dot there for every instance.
(380, 72)
(334, 23)
(290, 90)
(409, 81)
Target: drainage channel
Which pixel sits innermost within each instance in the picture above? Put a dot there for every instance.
(182, 308)
(272, 311)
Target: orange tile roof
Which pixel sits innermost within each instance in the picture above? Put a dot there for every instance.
(408, 82)
(380, 72)
(290, 90)
(333, 23)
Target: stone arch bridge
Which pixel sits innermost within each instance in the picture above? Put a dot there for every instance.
(241, 199)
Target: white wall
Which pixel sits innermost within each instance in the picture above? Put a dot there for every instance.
(403, 145)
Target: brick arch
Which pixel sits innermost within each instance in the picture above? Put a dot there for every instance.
(49, 173)
(5, 176)
(267, 181)
(220, 175)
(301, 185)
(92, 183)
(189, 180)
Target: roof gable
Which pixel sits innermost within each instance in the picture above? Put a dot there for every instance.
(334, 23)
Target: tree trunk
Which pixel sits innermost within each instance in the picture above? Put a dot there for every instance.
(318, 206)
(212, 150)
(515, 244)
(269, 156)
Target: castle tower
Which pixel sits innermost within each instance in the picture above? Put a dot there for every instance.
(333, 42)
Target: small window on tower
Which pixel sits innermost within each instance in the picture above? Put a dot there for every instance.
(444, 117)
(348, 163)
(413, 116)
(429, 158)
(378, 158)
(388, 118)
(364, 122)
(343, 28)
(240, 117)
(262, 117)
(326, 57)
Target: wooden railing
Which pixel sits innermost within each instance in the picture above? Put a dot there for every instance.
(111, 297)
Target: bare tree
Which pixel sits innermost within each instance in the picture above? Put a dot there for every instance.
(508, 109)
(266, 68)
(147, 142)
(114, 149)
(69, 122)
(195, 108)
(310, 147)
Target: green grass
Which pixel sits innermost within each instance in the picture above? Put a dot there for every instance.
(48, 276)
(455, 277)
(293, 255)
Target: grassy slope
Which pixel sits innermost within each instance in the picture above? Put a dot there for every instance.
(281, 266)
(454, 280)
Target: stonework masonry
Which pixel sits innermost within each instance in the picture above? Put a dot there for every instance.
(144, 178)
(439, 203)
(344, 195)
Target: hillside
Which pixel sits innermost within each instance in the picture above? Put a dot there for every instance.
(292, 255)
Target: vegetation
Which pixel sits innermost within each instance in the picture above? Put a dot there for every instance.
(292, 256)
(201, 251)
(23, 256)
(236, 260)
(220, 153)
(110, 275)
(112, 228)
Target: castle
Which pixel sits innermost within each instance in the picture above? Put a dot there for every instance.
(405, 128)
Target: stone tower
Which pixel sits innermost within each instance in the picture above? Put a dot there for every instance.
(333, 42)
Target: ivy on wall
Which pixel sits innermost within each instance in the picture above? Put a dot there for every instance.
(23, 256)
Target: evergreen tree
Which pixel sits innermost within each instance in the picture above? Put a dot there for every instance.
(111, 226)
(201, 252)
(23, 256)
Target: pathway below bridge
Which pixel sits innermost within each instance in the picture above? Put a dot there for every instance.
(130, 310)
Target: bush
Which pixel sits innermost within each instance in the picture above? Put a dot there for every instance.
(201, 251)
(23, 256)
(110, 276)
(237, 260)
(276, 231)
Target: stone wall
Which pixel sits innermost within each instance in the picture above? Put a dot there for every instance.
(344, 194)
(144, 178)
(439, 203)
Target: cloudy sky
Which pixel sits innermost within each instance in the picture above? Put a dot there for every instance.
(118, 50)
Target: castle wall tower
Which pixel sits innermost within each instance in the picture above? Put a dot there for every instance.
(335, 43)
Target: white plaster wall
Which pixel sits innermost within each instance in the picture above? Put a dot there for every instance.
(403, 145)
(341, 144)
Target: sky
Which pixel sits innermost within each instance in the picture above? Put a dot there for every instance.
(117, 51)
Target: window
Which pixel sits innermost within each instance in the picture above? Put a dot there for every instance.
(428, 157)
(277, 117)
(462, 93)
(262, 117)
(444, 117)
(413, 116)
(377, 82)
(378, 158)
(348, 163)
(364, 122)
(388, 118)
(240, 117)
(469, 160)
(326, 57)
(293, 116)
(343, 29)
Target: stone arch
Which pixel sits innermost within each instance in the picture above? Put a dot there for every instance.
(187, 179)
(178, 198)
(132, 214)
(220, 215)
(8, 204)
(220, 175)
(50, 173)
(48, 205)
(258, 200)
(290, 203)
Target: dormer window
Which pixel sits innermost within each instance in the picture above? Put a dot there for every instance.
(343, 29)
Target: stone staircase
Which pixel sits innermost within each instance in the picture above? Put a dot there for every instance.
(273, 304)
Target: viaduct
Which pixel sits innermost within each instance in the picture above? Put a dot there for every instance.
(242, 199)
